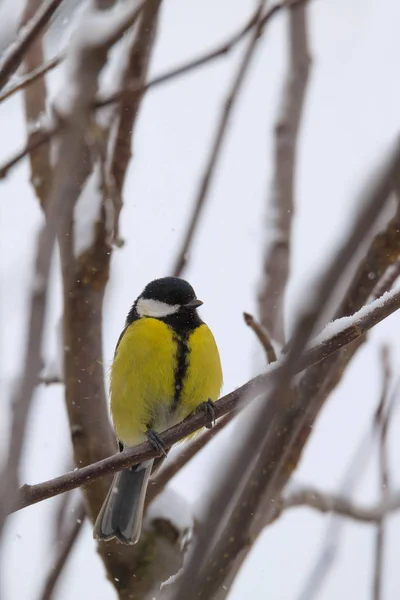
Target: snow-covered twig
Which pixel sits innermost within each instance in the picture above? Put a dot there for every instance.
(46, 133)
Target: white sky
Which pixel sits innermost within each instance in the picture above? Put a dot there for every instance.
(352, 112)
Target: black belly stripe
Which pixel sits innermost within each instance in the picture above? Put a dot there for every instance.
(182, 364)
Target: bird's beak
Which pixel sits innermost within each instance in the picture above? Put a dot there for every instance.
(194, 303)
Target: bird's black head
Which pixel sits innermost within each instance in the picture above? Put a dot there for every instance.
(170, 299)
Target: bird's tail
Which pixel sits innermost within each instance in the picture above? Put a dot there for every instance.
(122, 511)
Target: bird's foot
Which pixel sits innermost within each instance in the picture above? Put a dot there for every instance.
(156, 441)
(209, 408)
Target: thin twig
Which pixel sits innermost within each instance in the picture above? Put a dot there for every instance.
(339, 505)
(220, 133)
(281, 203)
(262, 335)
(35, 100)
(16, 52)
(42, 136)
(219, 51)
(67, 546)
(349, 481)
(382, 421)
(379, 310)
(48, 133)
(31, 77)
(136, 70)
(141, 88)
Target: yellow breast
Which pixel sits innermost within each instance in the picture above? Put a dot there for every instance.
(143, 385)
(203, 380)
(142, 378)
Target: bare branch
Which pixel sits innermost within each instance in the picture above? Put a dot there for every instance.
(130, 103)
(352, 475)
(35, 109)
(194, 64)
(262, 335)
(281, 201)
(340, 505)
(382, 420)
(47, 133)
(216, 147)
(43, 136)
(379, 310)
(14, 55)
(31, 77)
(66, 547)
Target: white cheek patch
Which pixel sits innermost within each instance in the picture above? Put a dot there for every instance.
(146, 307)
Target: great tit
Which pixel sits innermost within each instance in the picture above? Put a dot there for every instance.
(166, 364)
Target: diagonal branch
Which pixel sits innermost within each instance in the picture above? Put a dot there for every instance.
(14, 55)
(363, 321)
(67, 545)
(31, 77)
(274, 447)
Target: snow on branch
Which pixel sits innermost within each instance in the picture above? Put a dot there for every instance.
(358, 325)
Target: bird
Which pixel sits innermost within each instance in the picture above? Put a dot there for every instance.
(166, 366)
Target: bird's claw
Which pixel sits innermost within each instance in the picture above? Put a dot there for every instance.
(209, 408)
(156, 441)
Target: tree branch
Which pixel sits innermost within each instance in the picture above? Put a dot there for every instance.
(340, 505)
(219, 137)
(364, 320)
(46, 133)
(281, 201)
(382, 419)
(13, 57)
(35, 108)
(67, 545)
(262, 335)
(31, 77)
(203, 59)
